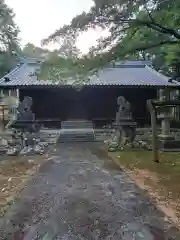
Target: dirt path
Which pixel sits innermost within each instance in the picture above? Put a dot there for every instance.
(80, 195)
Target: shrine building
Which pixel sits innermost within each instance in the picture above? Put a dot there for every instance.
(96, 100)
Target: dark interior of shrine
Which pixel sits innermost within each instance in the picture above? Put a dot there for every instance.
(98, 104)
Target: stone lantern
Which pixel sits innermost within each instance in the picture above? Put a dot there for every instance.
(3, 113)
(167, 141)
(165, 116)
(12, 103)
(8, 110)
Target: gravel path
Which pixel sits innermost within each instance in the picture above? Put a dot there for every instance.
(80, 195)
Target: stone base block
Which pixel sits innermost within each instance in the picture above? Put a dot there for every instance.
(169, 145)
(165, 137)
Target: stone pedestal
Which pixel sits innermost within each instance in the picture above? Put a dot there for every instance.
(165, 128)
(170, 145)
(125, 132)
(166, 141)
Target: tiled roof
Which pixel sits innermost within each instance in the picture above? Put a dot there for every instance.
(22, 76)
(131, 76)
(136, 63)
(130, 73)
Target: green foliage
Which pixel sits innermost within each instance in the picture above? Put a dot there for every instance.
(64, 70)
(172, 59)
(138, 29)
(8, 29)
(8, 38)
(6, 63)
(30, 50)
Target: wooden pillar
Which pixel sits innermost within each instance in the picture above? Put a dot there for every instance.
(164, 115)
(154, 136)
(2, 92)
(17, 103)
(17, 93)
(152, 110)
(9, 92)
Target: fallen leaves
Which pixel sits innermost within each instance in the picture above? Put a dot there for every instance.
(14, 175)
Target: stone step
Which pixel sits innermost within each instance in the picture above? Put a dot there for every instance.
(77, 135)
(76, 131)
(64, 139)
(76, 124)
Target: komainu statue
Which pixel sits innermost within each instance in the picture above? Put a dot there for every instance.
(125, 127)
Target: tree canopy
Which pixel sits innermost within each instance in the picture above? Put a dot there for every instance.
(30, 50)
(9, 43)
(138, 29)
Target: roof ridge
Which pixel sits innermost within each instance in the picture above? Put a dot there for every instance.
(158, 73)
(166, 78)
(12, 71)
(133, 62)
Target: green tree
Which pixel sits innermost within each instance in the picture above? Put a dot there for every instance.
(63, 64)
(30, 50)
(63, 69)
(138, 28)
(9, 44)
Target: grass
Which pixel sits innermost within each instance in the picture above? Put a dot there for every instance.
(161, 180)
(169, 162)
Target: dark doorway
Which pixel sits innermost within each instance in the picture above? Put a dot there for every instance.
(76, 107)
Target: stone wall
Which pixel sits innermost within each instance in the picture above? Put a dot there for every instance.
(143, 134)
(146, 133)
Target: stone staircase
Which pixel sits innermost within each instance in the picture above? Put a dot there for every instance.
(76, 131)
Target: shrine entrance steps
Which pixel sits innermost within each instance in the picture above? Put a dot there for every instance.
(76, 131)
